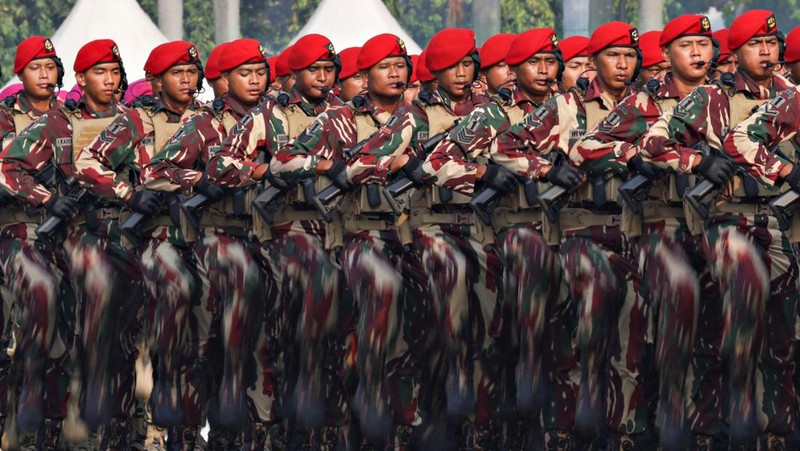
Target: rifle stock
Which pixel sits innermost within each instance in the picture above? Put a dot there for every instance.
(784, 207)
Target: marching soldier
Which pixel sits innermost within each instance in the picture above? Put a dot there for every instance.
(594, 249)
(576, 61)
(792, 55)
(751, 257)
(495, 72)
(653, 62)
(351, 82)
(212, 72)
(726, 61)
(109, 167)
(669, 251)
(35, 278)
(226, 247)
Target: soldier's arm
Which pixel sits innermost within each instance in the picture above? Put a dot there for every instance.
(174, 164)
(750, 143)
(96, 165)
(396, 137)
(26, 155)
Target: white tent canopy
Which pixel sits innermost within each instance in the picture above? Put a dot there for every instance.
(124, 21)
(366, 18)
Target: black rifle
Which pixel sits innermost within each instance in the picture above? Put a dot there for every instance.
(555, 197)
(46, 230)
(131, 227)
(699, 196)
(196, 206)
(484, 203)
(324, 198)
(403, 183)
(266, 203)
(784, 207)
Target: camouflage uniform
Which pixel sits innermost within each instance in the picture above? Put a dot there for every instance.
(109, 167)
(533, 289)
(463, 274)
(307, 278)
(229, 253)
(602, 277)
(36, 285)
(386, 281)
(670, 260)
(752, 260)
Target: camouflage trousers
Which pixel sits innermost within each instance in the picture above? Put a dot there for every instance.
(247, 371)
(542, 321)
(36, 284)
(612, 333)
(316, 322)
(464, 278)
(179, 321)
(390, 290)
(754, 264)
(106, 273)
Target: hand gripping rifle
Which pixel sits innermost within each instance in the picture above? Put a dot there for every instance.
(701, 195)
(324, 199)
(484, 203)
(46, 230)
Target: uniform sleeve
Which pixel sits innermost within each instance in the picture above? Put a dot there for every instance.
(27, 155)
(668, 142)
(263, 128)
(174, 165)
(399, 135)
(96, 165)
(750, 143)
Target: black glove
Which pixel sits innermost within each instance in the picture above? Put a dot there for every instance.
(276, 180)
(212, 191)
(338, 175)
(64, 207)
(716, 170)
(499, 178)
(145, 201)
(564, 176)
(637, 165)
(413, 170)
(793, 179)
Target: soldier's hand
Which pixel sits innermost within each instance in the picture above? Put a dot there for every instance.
(637, 165)
(564, 176)
(62, 206)
(212, 191)
(338, 175)
(413, 170)
(276, 180)
(499, 178)
(793, 179)
(145, 201)
(715, 169)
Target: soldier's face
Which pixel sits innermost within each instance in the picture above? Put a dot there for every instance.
(615, 67)
(794, 71)
(100, 82)
(411, 92)
(498, 75)
(247, 82)
(388, 78)
(285, 83)
(219, 86)
(535, 75)
(353, 86)
(575, 68)
(316, 80)
(456, 81)
(39, 78)
(179, 83)
(686, 54)
(656, 70)
(755, 55)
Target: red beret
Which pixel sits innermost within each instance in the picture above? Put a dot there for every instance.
(414, 68)
(495, 49)
(271, 61)
(530, 43)
(613, 34)
(211, 70)
(34, 47)
(755, 23)
(651, 49)
(722, 39)
(348, 57)
(448, 47)
(241, 51)
(573, 46)
(96, 52)
(282, 63)
(310, 49)
(423, 73)
(380, 47)
(793, 46)
(171, 54)
(685, 25)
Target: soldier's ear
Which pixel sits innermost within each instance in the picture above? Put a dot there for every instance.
(80, 78)
(665, 54)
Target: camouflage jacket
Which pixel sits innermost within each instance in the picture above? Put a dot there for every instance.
(259, 135)
(331, 133)
(702, 116)
(187, 153)
(404, 132)
(15, 105)
(555, 126)
(48, 139)
(110, 165)
(455, 160)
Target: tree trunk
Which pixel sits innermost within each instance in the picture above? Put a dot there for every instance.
(602, 12)
(576, 18)
(226, 20)
(455, 13)
(485, 19)
(651, 15)
(170, 18)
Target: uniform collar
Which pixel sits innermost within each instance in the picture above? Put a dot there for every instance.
(743, 83)
(595, 91)
(115, 109)
(24, 105)
(234, 106)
